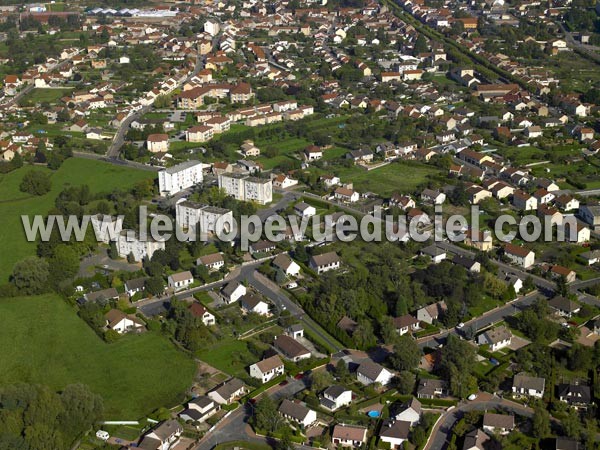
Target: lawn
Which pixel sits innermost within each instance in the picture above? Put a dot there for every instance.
(44, 95)
(230, 356)
(99, 176)
(44, 342)
(395, 177)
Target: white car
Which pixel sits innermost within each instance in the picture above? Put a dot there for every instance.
(102, 435)
(460, 325)
(472, 397)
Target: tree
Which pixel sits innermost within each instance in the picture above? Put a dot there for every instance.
(64, 264)
(407, 354)
(320, 379)
(541, 422)
(266, 416)
(155, 285)
(35, 182)
(405, 382)
(420, 45)
(30, 275)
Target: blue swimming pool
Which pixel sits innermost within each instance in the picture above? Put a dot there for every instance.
(374, 414)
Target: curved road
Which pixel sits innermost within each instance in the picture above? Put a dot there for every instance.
(440, 435)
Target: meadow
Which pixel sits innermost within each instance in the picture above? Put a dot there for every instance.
(44, 341)
(98, 175)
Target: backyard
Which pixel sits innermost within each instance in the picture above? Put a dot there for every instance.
(44, 342)
(99, 176)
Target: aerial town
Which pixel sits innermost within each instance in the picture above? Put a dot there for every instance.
(206, 113)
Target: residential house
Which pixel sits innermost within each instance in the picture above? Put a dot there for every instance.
(519, 255)
(591, 257)
(122, 323)
(283, 181)
(286, 265)
(267, 369)
(233, 291)
(297, 412)
(433, 196)
(479, 240)
(348, 436)
(496, 338)
(291, 348)
(590, 214)
(158, 143)
(313, 153)
(394, 433)
(199, 133)
(303, 209)
(567, 202)
(102, 296)
(263, 246)
(476, 440)
(180, 280)
(576, 395)
(430, 313)
(470, 264)
(228, 392)
(436, 254)
(410, 412)
(325, 262)
(564, 443)
(371, 372)
(164, 437)
(528, 386)
(564, 272)
(214, 261)
(252, 303)
(335, 397)
(498, 423)
(199, 409)
(523, 201)
(134, 286)
(405, 324)
(198, 310)
(543, 196)
(564, 307)
(295, 331)
(432, 388)
(346, 195)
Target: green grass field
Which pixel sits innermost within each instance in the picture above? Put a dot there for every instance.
(230, 356)
(44, 342)
(44, 95)
(99, 176)
(400, 177)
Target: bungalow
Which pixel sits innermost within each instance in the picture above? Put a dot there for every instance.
(431, 312)
(404, 202)
(103, 295)
(214, 261)
(470, 264)
(497, 338)
(543, 196)
(482, 241)
(564, 307)
(477, 194)
(528, 386)
(405, 324)
(228, 392)
(297, 412)
(330, 180)
(283, 181)
(361, 155)
(286, 265)
(233, 291)
(335, 397)
(348, 436)
(564, 272)
(436, 254)
(566, 202)
(254, 304)
(410, 412)
(394, 433)
(198, 310)
(346, 195)
(267, 369)
(591, 257)
(122, 323)
(325, 262)
(519, 255)
(534, 132)
(180, 280)
(295, 331)
(371, 372)
(198, 410)
(290, 348)
(248, 149)
(164, 437)
(498, 423)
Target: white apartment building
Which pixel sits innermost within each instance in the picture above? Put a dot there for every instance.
(177, 178)
(129, 243)
(191, 214)
(247, 188)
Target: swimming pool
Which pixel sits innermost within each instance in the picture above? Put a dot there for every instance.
(374, 414)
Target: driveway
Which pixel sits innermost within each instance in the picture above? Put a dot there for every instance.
(88, 265)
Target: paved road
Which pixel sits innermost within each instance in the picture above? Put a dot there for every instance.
(236, 428)
(440, 434)
(487, 319)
